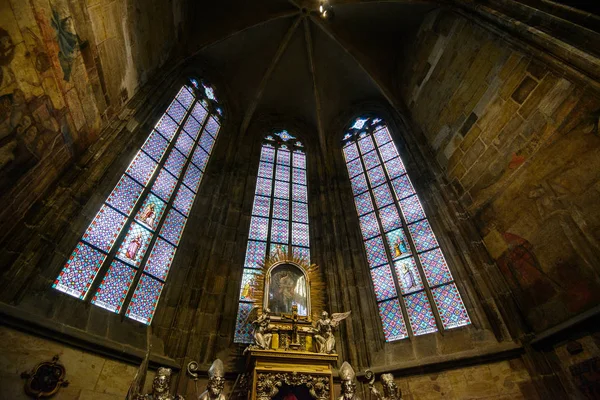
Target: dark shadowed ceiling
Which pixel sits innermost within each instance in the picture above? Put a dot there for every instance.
(279, 57)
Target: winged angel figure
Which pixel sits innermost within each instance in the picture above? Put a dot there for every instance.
(325, 341)
(260, 324)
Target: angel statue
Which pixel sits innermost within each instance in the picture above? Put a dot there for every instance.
(262, 337)
(325, 341)
(390, 389)
(347, 376)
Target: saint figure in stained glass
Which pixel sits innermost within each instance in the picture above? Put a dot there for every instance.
(400, 248)
(134, 247)
(148, 215)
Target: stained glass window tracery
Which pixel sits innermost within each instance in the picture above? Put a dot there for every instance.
(123, 258)
(279, 214)
(417, 295)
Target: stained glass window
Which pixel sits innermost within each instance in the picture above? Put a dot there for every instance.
(279, 219)
(123, 259)
(413, 285)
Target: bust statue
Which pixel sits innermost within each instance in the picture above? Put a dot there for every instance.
(347, 376)
(160, 387)
(390, 389)
(216, 381)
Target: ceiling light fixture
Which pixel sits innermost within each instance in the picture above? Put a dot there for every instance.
(326, 10)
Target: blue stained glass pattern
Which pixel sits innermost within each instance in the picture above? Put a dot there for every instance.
(363, 203)
(398, 243)
(176, 111)
(300, 234)
(243, 330)
(185, 97)
(412, 210)
(371, 160)
(299, 193)
(299, 176)
(207, 142)
(408, 275)
(302, 252)
(184, 200)
(382, 195)
(259, 228)
(283, 157)
(265, 170)
(420, 315)
(173, 227)
(422, 235)
(375, 252)
(105, 228)
(141, 168)
(263, 186)
(277, 247)
(160, 259)
(282, 190)
(77, 275)
(125, 194)
(395, 168)
(299, 159)
(247, 286)
(285, 135)
(200, 158)
(192, 127)
(388, 151)
(300, 212)
(151, 211)
(164, 185)
(366, 144)
(155, 146)
(135, 244)
(369, 226)
(175, 162)
(403, 187)
(351, 152)
(166, 126)
(383, 283)
(212, 127)
(436, 269)
(282, 173)
(192, 177)
(359, 184)
(376, 176)
(114, 287)
(382, 136)
(390, 219)
(184, 143)
(281, 209)
(199, 112)
(450, 306)
(392, 320)
(279, 231)
(255, 254)
(210, 92)
(359, 123)
(262, 206)
(354, 168)
(144, 300)
(267, 154)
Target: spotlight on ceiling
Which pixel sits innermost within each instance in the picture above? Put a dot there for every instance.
(326, 10)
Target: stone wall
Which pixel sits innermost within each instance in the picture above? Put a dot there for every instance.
(66, 68)
(519, 142)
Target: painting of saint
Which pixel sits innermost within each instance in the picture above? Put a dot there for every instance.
(287, 288)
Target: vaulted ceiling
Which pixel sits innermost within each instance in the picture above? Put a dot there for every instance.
(279, 57)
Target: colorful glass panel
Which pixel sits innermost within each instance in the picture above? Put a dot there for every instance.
(354, 168)
(164, 185)
(300, 193)
(450, 306)
(114, 287)
(192, 127)
(173, 227)
(366, 145)
(420, 315)
(259, 228)
(302, 253)
(155, 146)
(151, 212)
(282, 190)
(184, 200)
(78, 274)
(105, 228)
(412, 210)
(395, 168)
(300, 234)
(184, 144)
(243, 329)
(376, 176)
(267, 154)
(199, 112)
(383, 283)
(435, 267)
(280, 231)
(408, 275)
(265, 169)
(141, 168)
(207, 142)
(392, 320)
(160, 259)
(359, 184)
(422, 235)
(135, 244)
(262, 206)
(283, 157)
(200, 158)
(388, 151)
(176, 111)
(390, 219)
(247, 286)
(212, 126)
(299, 159)
(351, 152)
(300, 212)
(167, 127)
(192, 177)
(382, 136)
(263, 186)
(282, 173)
(125, 195)
(144, 300)
(375, 252)
(299, 176)
(255, 254)
(277, 248)
(363, 203)
(281, 209)
(185, 97)
(369, 226)
(398, 243)
(382, 195)
(371, 160)
(175, 162)
(403, 187)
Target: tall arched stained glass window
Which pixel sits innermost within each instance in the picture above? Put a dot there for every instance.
(407, 266)
(123, 259)
(279, 215)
